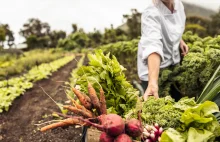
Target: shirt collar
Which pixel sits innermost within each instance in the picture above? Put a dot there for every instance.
(165, 10)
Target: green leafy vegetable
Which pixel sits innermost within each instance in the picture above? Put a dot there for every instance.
(106, 70)
(172, 135)
(198, 125)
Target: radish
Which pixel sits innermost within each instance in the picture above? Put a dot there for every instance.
(104, 137)
(133, 128)
(148, 128)
(156, 126)
(156, 131)
(123, 138)
(160, 131)
(146, 134)
(159, 139)
(112, 124)
(152, 136)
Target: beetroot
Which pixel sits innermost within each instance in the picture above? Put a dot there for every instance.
(112, 124)
(133, 128)
(104, 137)
(123, 138)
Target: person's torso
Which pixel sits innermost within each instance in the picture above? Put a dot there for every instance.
(172, 28)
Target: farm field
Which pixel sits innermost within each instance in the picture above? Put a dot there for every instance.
(18, 123)
(67, 74)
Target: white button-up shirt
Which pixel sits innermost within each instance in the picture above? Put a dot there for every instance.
(161, 32)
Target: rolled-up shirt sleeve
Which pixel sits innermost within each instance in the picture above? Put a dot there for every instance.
(151, 38)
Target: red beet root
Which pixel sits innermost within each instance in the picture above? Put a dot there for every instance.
(123, 138)
(133, 128)
(112, 124)
(104, 137)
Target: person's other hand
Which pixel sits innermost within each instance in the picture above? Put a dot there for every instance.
(152, 90)
(184, 48)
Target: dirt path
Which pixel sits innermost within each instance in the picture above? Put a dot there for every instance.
(17, 125)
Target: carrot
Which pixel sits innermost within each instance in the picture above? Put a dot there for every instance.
(102, 102)
(84, 100)
(80, 107)
(65, 122)
(75, 103)
(79, 111)
(94, 98)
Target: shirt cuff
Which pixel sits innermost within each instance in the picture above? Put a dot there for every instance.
(149, 50)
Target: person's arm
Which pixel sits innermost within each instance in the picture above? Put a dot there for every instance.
(154, 60)
(152, 48)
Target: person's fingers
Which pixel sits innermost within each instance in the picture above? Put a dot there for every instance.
(156, 95)
(145, 97)
(147, 94)
(183, 54)
(182, 48)
(186, 49)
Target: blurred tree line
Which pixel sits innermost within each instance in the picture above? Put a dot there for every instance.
(38, 34)
(6, 34)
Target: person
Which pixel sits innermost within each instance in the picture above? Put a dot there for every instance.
(160, 45)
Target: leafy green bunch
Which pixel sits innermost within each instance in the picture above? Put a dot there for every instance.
(198, 124)
(165, 111)
(106, 71)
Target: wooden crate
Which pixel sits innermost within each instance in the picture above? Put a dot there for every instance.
(93, 135)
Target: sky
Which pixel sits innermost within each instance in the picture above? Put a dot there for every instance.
(87, 14)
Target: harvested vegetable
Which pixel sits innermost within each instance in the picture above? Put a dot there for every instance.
(104, 137)
(84, 100)
(123, 138)
(152, 133)
(106, 71)
(79, 111)
(133, 128)
(103, 108)
(165, 111)
(198, 125)
(94, 98)
(112, 124)
(65, 122)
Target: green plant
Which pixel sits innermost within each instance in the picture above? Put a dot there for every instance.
(212, 88)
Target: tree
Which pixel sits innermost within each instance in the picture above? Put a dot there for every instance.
(109, 35)
(134, 24)
(35, 27)
(9, 35)
(55, 36)
(214, 28)
(75, 28)
(2, 36)
(95, 38)
(36, 33)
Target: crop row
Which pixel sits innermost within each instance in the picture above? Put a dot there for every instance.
(13, 88)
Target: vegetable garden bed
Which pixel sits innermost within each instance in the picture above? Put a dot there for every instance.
(18, 124)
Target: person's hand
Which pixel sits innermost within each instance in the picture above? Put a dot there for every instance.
(152, 90)
(184, 48)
